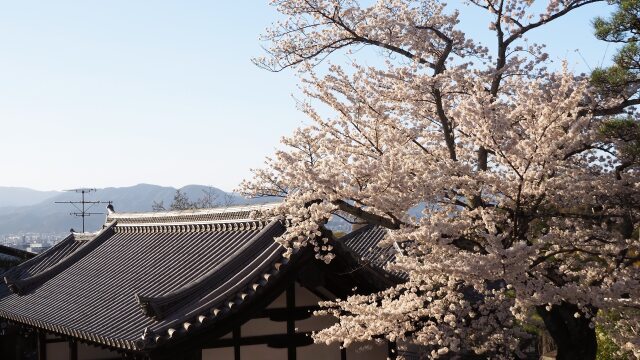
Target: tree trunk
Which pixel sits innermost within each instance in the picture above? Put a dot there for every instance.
(573, 336)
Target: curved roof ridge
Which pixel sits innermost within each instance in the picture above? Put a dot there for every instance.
(22, 286)
(15, 252)
(14, 271)
(223, 214)
(159, 306)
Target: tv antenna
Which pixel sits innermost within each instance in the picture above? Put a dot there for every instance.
(83, 206)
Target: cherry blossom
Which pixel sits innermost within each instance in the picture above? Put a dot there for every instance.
(530, 208)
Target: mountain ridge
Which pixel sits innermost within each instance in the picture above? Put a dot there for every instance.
(46, 216)
(21, 196)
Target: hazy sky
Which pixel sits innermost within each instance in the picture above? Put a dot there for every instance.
(119, 92)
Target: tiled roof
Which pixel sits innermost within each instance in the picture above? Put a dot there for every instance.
(363, 243)
(146, 278)
(10, 253)
(45, 260)
(247, 212)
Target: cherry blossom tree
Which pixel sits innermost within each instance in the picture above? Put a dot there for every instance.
(531, 204)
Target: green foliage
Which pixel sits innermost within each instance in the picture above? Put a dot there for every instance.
(626, 133)
(623, 26)
(628, 57)
(614, 79)
(158, 206)
(534, 324)
(607, 349)
(622, 128)
(181, 202)
(209, 199)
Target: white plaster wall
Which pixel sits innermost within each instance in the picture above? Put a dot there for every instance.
(315, 323)
(318, 352)
(305, 297)
(262, 352)
(225, 353)
(279, 302)
(263, 326)
(367, 351)
(58, 351)
(88, 352)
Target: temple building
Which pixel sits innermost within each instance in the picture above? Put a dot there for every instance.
(201, 284)
(10, 257)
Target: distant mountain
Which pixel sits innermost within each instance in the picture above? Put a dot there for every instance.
(19, 196)
(45, 216)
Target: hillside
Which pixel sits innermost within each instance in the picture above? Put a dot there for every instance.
(20, 196)
(44, 216)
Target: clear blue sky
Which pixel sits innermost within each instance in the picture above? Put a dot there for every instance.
(119, 92)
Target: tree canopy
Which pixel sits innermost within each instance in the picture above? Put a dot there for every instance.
(528, 176)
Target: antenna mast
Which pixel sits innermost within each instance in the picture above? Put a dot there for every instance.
(83, 206)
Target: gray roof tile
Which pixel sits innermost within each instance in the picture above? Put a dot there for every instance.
(157, 279)
(364, 244)
(147, 279)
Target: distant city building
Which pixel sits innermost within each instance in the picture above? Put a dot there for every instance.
(37, 248)
(202, 284)
(33, 242)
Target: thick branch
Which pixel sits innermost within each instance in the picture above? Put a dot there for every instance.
(547, 19)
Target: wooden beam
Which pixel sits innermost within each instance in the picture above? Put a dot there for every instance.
(392, 349)
(42, 346)
(209, 336)
(291, 321)
(58, 340)
(21, 254)
(279, 341)
(196, 354)
(282, 314)
(236, 342)
(73, 350)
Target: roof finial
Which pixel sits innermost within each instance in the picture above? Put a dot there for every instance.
(110, 209)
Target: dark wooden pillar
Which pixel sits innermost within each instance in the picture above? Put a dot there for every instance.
(392, 350)
(195, 354)
(343, 353)
(132, 356)
(236, 342)
(291, 321)
(42, 346)
(73, 350)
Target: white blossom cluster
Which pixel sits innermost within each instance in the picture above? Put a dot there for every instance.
(529, 207)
